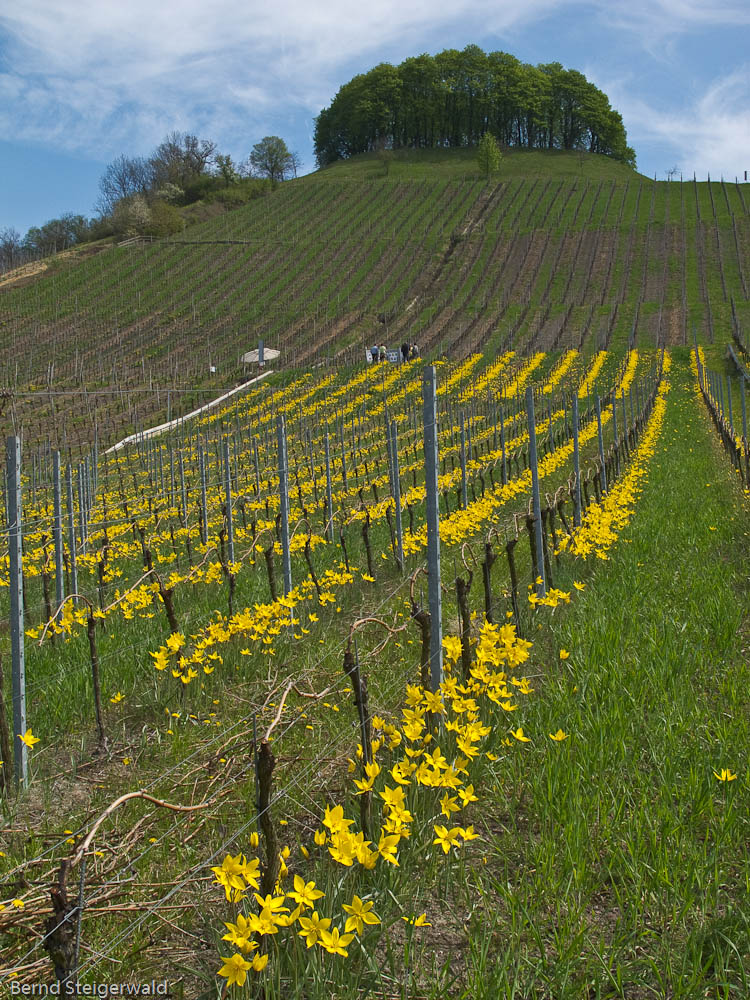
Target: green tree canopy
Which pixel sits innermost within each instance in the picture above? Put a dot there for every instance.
(456, 97)
(271, 158)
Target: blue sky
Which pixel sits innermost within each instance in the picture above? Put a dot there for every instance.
(82, 81)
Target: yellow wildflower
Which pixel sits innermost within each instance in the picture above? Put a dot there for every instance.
(359, 914)
(234, 970)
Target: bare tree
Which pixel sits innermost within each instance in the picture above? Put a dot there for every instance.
(180, 159)
(124, 177)
(295, 162)
(11, 249)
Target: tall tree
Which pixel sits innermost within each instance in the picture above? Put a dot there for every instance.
(271, 158)
(295, 162)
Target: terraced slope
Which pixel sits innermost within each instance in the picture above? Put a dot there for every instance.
(570, 252)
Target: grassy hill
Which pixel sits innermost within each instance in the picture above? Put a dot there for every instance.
(577, 824)
(557, 250)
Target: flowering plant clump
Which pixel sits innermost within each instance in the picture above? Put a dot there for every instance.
(630, 370)
(492, 373)
(259, 625)
(604, 521)
(585, 387)
(525, 373)
(419, 770)
(560, 371)
(458, 374)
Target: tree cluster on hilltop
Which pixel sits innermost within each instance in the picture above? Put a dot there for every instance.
(455, 97)
(145, 196)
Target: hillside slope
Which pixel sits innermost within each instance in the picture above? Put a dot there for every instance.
(558, 250)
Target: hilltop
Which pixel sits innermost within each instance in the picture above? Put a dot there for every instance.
(557, 250)
(461, 163)
(454, 98)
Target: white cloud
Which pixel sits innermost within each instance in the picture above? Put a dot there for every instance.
(103, 76)
(655, 27)
(708, 134)
(667, 17)
(74, 64)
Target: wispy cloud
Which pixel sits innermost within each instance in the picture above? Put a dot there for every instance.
(75, 65)
(705, 134)
(105, 76)
(666, 17)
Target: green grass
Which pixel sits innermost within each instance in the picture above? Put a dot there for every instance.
(462, 163)
(73, 781)
(610, 865)
(617, 863)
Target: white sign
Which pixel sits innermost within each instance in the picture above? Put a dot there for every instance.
(393, 357)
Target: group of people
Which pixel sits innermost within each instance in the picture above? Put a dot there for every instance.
(408, 352)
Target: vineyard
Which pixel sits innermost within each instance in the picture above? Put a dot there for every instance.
(424, 679)
(557, 254)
